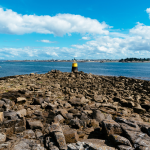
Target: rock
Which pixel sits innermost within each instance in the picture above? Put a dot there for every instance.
(5, 146)
(93, 123)
(2, 137)
(26, 144)
(78, 101)
(124, 147)
(1, 117)
(138, 139)
(11, 115)
(111, 127)
(29, 134)
(21, 100)
(69, 116)
(34, 124)
(38, 133)
(98, 116)
(127, 124)
(96, 144)
(67, 105)
(59, 118)
(75, 123)
(2, 103)
(139, 110)
(20, 129)
(71, 136)
(119, 140)
(21, 113)
(59, 136)
(98, 98)
(38, 101)
(145, 127)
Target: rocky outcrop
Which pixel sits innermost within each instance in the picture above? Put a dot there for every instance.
(72, 111)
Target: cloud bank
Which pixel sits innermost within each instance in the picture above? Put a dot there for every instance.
(99, 44)
(59, 25)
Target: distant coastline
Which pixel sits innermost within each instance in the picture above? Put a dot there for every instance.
(127, 60)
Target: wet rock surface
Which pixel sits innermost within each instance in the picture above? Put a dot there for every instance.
(74, 111)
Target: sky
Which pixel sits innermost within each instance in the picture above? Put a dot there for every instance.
(68, 29)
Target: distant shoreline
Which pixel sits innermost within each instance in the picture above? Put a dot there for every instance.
(82, 61)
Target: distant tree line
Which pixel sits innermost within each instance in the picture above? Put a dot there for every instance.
(134, 59)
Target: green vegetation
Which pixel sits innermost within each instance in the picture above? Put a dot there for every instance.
(134, 59)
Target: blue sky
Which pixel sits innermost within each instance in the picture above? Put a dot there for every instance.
(35, 29)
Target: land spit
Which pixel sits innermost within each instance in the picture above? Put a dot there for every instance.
(74, 111)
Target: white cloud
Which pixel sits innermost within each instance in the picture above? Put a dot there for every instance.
(46, 41)
(141, 30)
(86, 38)
(61, 24)
(148, 11)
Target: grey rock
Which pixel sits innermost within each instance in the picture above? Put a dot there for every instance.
(2, 137)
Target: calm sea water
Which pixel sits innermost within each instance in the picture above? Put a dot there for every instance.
(134, 70)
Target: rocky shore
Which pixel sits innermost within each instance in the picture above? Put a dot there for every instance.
(74, 111)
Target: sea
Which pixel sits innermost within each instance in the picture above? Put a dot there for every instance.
(132, 70)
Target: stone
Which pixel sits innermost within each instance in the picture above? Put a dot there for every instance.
(139, 110)
(27, 144)
(71, 136)
(98, 98)
(21, 113)
(29, 134)
(55, 128)
(138, 139)
(34, 124)
(2, 103)
(69, 116)
(2, 137)
(38, 101)
(60, 140)
(75, 123)
(1, 117)
(111, 127)
(78, 101)
(93, 123)
(124, 147)
(5, 146)
(59, 136)
(38, 133)
(59, 118)
(98, 116)
(119, 140)
(21, 100)
(20, 129)
(11, 115)
(145, 127)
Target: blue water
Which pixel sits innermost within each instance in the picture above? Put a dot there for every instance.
(134, 70)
